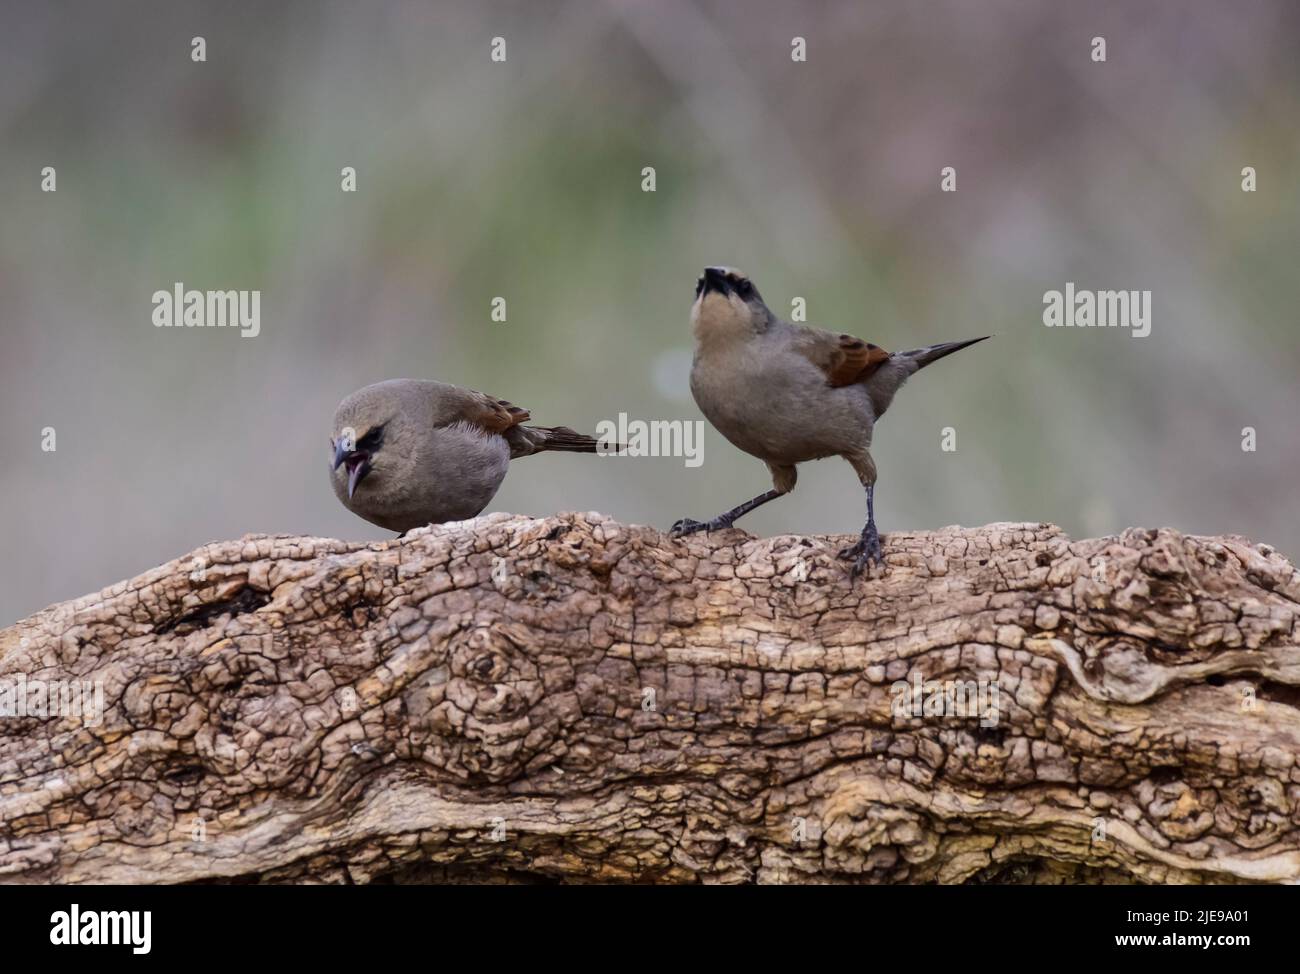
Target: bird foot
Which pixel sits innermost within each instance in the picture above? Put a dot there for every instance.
(865, 551)
(688, 526)
(685, 526)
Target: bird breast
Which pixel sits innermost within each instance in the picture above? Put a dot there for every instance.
(773, 403)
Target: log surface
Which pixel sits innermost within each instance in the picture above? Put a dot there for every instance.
(513, 699)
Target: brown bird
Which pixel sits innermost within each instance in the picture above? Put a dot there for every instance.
(410, 452)
(787, 393)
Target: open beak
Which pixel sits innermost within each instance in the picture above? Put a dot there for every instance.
(356, 461)
(358, 467)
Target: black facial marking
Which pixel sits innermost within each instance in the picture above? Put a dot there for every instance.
(372, 441)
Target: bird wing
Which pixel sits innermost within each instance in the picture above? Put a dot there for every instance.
(492, 414)
(843, 358)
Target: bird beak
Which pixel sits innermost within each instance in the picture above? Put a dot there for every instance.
(358, 467)
(358, 464)
(715, 279)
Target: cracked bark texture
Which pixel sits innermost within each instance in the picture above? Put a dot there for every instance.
(573, 699)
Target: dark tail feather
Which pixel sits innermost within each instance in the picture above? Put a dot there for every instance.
(564, 439)
(535, 439)
(932, 353)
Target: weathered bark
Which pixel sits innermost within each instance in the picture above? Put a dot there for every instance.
(474, 703)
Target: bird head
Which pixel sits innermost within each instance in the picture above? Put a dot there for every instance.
(360, 426)
(727, 305)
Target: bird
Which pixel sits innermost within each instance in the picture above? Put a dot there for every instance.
(410, 452)
(788, 393)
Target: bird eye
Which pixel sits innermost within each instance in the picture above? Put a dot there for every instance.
(744, 288)
(372, 440)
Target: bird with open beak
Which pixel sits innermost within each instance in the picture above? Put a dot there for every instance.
(410, 452)
(787, 393)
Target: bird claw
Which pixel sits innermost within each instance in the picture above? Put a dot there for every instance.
(867, 550)
(686, 526)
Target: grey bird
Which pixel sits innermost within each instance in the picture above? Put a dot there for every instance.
(787, 393)
(411, 452)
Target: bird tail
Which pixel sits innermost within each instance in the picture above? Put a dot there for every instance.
(527, 440)
(895, 370)
(932, 353)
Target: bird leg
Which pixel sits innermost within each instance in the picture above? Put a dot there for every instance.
(867, 549)
(686, 526)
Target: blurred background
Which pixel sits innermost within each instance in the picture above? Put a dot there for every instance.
(523, 180)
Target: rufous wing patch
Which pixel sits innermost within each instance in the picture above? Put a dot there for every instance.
(853, 361)
(496, 415)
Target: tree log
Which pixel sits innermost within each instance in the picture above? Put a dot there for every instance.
(512, 699)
